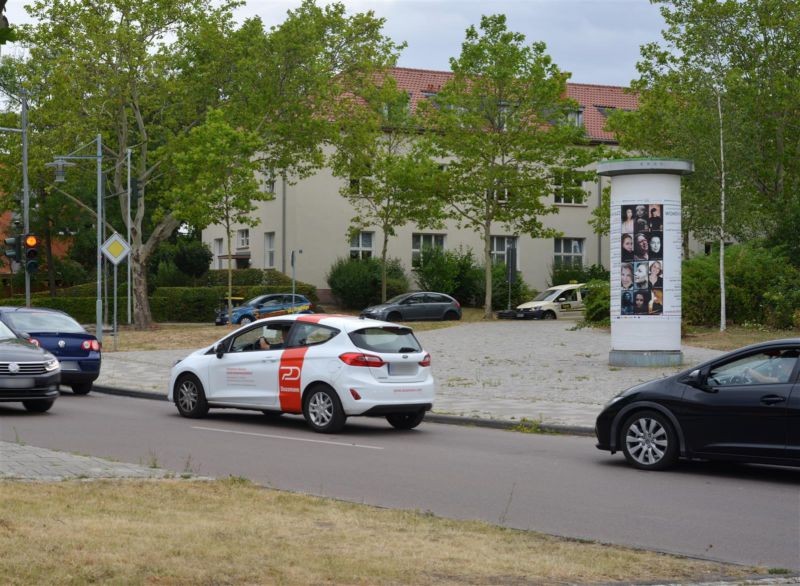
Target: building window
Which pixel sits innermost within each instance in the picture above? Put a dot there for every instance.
(243, 238)
(567, 188)
(419, 242)
(575, 117)
(269, 250)
(500, 244)
(218, 243)
(568, 252)
(361, 245)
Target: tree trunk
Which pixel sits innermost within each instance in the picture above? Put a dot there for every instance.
(487, 263)
(383, 264)
(142, 318)
(230, 274)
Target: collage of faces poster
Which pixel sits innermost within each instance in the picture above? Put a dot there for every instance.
(645, 260)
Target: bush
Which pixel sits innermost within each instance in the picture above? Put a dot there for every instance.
(563, 275)
(452, 272)
(356, 283)
(520, 292)
(597, 306)
(169, 275)
(761, 287)
(265, 277)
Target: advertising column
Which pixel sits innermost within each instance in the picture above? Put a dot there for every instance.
(646, 254)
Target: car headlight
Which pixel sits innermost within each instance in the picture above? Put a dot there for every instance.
(51, 365)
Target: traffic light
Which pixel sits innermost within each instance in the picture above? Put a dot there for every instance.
(13, 245)
(31, 243)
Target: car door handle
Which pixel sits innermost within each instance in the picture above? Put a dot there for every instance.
(772, 399)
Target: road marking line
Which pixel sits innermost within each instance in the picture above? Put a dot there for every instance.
(283, 437)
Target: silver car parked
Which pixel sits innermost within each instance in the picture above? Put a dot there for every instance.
(422, 305)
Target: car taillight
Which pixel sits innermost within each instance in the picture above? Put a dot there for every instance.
(91, 345)
(426, 361)
(359, 359)
(34, 341)
(457, 303)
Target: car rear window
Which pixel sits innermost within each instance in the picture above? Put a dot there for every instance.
(36, 321)
(386, 339)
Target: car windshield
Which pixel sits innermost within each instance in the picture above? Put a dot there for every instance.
(397, 298)
(260, 299)
(5, 332)
(41, 321)
(547, 295)
(386, 340)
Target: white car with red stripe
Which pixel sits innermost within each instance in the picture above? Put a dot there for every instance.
(327, 367)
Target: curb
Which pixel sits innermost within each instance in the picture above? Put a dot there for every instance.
(431, 417)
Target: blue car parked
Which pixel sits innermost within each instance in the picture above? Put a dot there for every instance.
(77, 350)
(268, 305)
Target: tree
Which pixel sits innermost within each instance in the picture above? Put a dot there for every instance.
(390, 176)
(140, 74)
(214, 179)
(503, 123)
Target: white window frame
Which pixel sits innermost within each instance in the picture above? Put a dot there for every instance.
(359, 248)
(219, 244)
(269, 250)
(422, 240)
(499, 246)
(567, 250)
(243, 238)
(558, 188)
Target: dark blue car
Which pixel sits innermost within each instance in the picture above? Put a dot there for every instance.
(77, 350)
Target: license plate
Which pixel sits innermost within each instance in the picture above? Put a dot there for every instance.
(16, 383)
(69, 365)
(520, 314)
(402, 368)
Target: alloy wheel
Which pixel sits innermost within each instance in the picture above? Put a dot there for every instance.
(647, 441)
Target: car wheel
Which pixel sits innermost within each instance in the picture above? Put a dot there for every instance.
(190, 399)
(649, 441)
(323, 410)
(549, 315)
(405, 420)
(394, 316)
(451, 316)
(246, 319)
(37, 406)
(81, 388)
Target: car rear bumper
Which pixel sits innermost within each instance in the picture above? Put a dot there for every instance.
(380, 410)
(79, 371)
(387, 398)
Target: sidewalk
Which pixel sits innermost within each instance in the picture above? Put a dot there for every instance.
(506, 371)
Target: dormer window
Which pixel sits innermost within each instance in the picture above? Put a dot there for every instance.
(576, 117)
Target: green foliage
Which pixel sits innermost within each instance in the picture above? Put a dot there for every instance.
(356, 283)
(563, 275)
(597, 307)
(454, 272)
(169, 275)
(762, 286)
(193, 258)
(520, 292)
(502, 122)
(265, 277)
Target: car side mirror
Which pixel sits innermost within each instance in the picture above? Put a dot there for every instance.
(219, 350)
(697, 379)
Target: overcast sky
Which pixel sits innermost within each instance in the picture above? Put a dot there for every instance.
(596, 40)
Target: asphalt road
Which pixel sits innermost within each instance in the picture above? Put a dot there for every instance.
(555, 484)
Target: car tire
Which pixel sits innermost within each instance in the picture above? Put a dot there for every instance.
(649, 441)
(405, 420)
(81, 388)
(190, 398)
(246, 319)
(451, 316)
(394, 316)
(323, 410)
(38, 406)
(549, 315)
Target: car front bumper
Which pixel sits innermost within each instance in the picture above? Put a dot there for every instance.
(520, 314)
(24, 388)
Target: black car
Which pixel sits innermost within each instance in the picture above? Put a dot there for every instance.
(28, 374)
(77, 351)
(743, 406)
(416, 306)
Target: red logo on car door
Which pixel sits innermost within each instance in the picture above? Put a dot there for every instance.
(289, 375)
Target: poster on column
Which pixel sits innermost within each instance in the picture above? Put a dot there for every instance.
(646, 257)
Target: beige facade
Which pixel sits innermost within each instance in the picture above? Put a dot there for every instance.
(313, 217)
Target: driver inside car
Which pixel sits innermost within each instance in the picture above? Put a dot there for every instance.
(780, 370)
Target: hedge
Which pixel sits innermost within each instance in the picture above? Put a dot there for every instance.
(175, 304)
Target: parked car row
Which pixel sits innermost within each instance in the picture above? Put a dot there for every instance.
(41, 349)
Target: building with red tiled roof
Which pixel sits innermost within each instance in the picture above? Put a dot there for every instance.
(310, 216)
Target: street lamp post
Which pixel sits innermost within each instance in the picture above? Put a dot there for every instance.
(60, 163)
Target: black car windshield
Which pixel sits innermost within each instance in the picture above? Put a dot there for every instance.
(42, 321)
(547, 295)
(5, 332)
(386, 340)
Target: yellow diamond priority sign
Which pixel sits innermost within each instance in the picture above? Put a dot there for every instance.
(115, 248)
